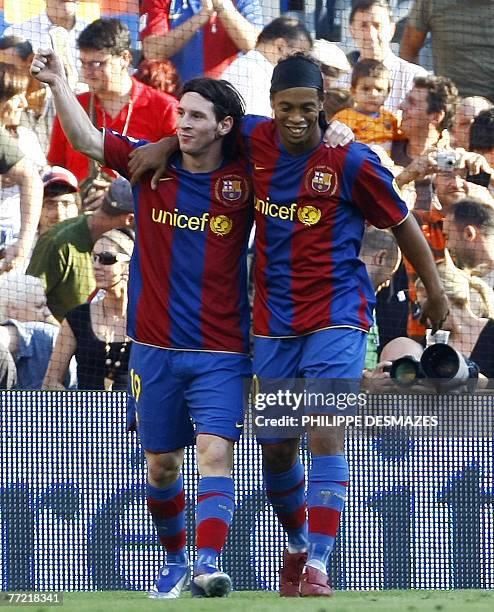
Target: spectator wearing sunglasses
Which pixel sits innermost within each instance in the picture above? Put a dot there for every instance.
(62, 257)
(95, 332)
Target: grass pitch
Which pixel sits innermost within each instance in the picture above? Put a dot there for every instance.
(249, 601)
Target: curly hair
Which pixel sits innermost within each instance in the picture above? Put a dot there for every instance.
(159, 74)
(442, 96)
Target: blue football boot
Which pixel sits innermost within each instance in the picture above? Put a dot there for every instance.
(173, 577)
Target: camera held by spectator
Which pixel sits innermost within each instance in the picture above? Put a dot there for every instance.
(440, 364)
(446, 160)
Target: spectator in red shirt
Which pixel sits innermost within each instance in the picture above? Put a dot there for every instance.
(201, 37)
(115, 99)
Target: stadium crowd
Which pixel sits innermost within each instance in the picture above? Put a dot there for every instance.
(67, 218)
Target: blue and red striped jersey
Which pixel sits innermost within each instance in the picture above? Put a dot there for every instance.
(310, 213)
(188, 274)
(211, 48)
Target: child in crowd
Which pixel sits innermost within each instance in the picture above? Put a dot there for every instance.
(370, 86)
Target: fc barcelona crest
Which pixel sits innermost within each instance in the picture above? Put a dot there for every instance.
(231, 190)
(321, 179)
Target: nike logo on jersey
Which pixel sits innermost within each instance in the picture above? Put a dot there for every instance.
(167, 178)
(256, 167)
(239, 425)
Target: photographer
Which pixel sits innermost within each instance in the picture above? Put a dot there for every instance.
(378, 379)
(381, 256)
(450, 184)
(428, 110)
(428, 113)
(471, 314)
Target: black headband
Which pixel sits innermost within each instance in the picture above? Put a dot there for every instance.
(296, 71)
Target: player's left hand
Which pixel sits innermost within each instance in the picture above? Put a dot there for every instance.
(153, 156)
(338, 134)
(435, 311)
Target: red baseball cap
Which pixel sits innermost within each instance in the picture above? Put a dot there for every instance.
(62, 176)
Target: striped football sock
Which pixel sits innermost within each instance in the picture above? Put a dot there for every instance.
(166, 507)
(215, 507)
(286, 493)
(328, 483)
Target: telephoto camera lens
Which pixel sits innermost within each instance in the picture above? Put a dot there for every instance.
(406, 370)
(447, 366)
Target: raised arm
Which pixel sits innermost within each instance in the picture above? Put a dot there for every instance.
(76, 124)
(416, 249)
(65, 347)
(163, 46)
(240, 30)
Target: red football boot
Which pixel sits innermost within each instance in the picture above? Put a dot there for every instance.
(314, 583)
(290, 573)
